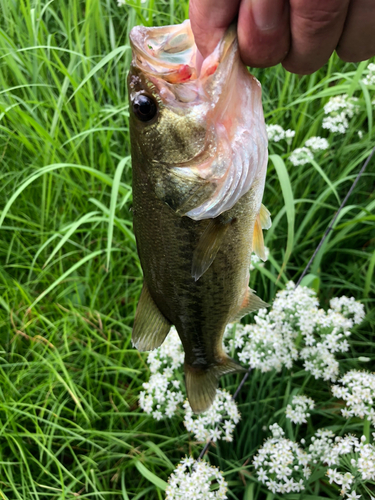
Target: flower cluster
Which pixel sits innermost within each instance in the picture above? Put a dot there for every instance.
(338, 111)
(357, 389)
(276, 133)
(321, 446)
(298, 410)
(163, 392)
(349, 308)
(317, 144)
(362, 468)
(370, 77)
(281, 464)
(328, 449)
(284, 466)
(301, 156)
(295, 328)
(193, 479)
(216, 423)
(257, 260)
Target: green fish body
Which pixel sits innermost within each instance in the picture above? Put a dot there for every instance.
(196, 197)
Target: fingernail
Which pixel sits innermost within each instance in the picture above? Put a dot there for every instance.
(267, 14)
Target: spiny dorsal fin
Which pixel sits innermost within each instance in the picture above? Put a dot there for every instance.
(258, 241)
(265, 217)
(150, 326)
(208, 246)
(250, 304)
(201, 384)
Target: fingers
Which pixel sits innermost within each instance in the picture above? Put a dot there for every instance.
(357, 43)
(263, 32)
(316, 27)
(302, 34)
(209, 20)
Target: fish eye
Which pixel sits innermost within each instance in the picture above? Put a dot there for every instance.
(144, 107)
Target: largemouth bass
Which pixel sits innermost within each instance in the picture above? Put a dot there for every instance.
(199, 157)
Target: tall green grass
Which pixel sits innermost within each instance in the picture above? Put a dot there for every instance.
(70, 278)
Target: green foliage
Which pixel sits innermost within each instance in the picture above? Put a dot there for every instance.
(70, 278)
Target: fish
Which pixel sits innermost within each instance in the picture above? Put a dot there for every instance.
(199, 162)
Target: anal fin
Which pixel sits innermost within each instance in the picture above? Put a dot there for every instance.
(208, 246)
(150, 325)
(201, 384)
(250, 304)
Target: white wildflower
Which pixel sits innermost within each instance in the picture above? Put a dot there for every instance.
(317, 143)
(297, 411)
(281, 464)
(301, 156)
(338, 111)
(328, 449)
(216, 423)
(194, 480)
(365, 463)
(295, 328)
(276, 134)
(163, 393)
(321, 445)
(353, 496)
(370, 77)
(357, 389)
(348, 307)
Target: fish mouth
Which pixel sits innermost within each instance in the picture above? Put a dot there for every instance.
(220, 95)
(169, 53)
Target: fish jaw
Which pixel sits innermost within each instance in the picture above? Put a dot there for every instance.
(166, 52)
(221, 103)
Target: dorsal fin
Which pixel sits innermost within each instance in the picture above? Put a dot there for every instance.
(208, 246)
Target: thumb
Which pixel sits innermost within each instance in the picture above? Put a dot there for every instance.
(209, 20)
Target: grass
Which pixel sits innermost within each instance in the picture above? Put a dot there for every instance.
(69, 272)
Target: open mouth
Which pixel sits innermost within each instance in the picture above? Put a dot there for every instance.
(170, 53)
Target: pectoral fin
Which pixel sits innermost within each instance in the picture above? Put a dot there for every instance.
(201, 384)
(265, 217)
(263, 221)
(208, 246)
(250, 304)
(258, 241)
(150, 326)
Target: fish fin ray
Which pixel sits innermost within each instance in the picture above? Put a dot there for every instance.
(265, 217)
(258, 241)
(201, 385)
(250, 304)
(207, 248)
(150, 326)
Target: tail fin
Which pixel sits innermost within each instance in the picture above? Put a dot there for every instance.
(201, 384)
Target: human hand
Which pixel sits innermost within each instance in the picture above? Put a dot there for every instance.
(301, 34)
